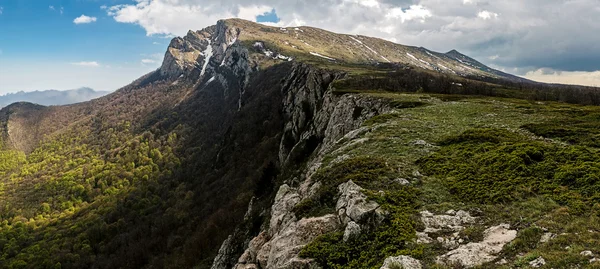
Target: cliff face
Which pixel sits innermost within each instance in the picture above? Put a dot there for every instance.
(315, 120)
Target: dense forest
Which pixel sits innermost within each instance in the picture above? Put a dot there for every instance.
(161, 189)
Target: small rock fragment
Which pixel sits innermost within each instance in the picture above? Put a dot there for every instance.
(405, 262)
(402, 181)
(586, 253)
(539, 262)
(547, 237)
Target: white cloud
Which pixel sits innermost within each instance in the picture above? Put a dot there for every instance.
(486, 15)
(84, 19)
(250, 12)
(1, 10)
(494, 57)
(366, 3)
(165, 17)
(565, 77)
(533, 33)
(103, 7)
(414, 12)
(53, 8)
(87, 64)
(148, 61)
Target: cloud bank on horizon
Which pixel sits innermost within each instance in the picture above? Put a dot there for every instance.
(521, 37)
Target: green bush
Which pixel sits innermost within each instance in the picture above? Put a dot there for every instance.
(361, 170)
(395, 236)
(582, 129)
(496, 166)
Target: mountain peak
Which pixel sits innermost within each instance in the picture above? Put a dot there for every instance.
(204, 50)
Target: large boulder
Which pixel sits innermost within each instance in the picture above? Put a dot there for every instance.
(285, 246)
(353, 205)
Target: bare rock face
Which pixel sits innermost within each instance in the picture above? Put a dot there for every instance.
(283, 249)
(198, 48)
(405, 262)
(223, 254)
(286, 245)
(451, 222)
(353, 205)
(475, 254)
(454, 221)
(281, 211)
(187, 53)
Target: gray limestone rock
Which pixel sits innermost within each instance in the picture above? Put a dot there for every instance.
(352, 230)
(475, 254)
(406, 262)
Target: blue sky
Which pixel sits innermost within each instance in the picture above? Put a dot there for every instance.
(41, 46)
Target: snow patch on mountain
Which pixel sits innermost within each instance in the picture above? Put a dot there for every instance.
(322, 56)
(208, 53)
(369, 48)
(358, 41)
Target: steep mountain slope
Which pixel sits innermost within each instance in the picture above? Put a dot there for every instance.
(52, 97)
(304, 43)
(261, 147)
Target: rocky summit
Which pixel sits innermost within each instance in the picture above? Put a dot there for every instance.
(259, 147)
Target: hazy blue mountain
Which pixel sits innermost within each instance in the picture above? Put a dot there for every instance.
(52, 97)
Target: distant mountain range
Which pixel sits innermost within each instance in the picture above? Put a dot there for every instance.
(52, 97)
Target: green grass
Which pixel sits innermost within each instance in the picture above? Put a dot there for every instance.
(501, 159)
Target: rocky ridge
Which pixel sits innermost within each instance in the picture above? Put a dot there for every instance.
(317, 122)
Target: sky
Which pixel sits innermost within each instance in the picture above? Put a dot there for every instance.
(106, 44)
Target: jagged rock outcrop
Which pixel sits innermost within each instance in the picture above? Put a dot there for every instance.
(196, 50)
(475, 254)
(452, 222)
(353, 206)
